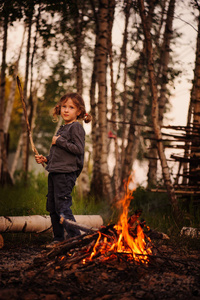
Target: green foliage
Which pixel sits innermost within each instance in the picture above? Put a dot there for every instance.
(21, 199)
(90, 206)
(30, 199)
(157, 212)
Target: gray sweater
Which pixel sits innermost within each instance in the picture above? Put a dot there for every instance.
(67, 155)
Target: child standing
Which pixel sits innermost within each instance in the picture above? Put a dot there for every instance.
(65, 162)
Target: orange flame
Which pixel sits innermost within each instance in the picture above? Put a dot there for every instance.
(134, 247)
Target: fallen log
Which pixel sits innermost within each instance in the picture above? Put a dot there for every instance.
(38, 224)
(191, 232)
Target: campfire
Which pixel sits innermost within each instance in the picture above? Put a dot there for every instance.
(127, 237)
(117, 261)
(125, 241)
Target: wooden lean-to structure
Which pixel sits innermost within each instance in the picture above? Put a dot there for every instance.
(185, 161)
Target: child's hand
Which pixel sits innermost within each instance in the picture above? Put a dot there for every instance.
(40, 159)
(54, 138)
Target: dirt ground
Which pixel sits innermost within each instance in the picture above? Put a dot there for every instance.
(173, 272)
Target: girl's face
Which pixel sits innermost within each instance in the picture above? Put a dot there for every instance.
(69, 111)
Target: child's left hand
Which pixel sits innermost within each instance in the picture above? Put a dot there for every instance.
(54, 138)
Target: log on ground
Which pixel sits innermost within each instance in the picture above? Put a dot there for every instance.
(38, 223)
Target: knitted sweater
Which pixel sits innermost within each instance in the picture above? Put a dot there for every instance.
(67, 155)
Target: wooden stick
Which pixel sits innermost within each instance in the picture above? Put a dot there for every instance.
(77, 225)
(26, 118)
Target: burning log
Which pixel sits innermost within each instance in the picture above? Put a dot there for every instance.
(124, 241)
(86, 251)
(152, 234)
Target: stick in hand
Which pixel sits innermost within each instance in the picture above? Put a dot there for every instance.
(26, 118)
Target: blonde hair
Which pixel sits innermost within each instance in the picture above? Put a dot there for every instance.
(78, 101)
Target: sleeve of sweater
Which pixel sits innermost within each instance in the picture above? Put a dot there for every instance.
(75, 143)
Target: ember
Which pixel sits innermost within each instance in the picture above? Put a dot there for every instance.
(129, 238)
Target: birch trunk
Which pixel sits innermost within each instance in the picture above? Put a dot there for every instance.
(37, 223)
(11, 98)
(83, 180)
(102, 95)
(130, 149)
(124, 60)
(113, 113)
(4, 173)
(16, 156)
(153, 165)
(96, 182)
(165, 58)
(163, 74)
(78, 19)
(155, 116)
(138, 107)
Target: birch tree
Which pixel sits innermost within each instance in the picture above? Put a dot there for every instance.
(96, 181)
(113, 100)
(9, 12)
(101, 61)
(163, 79)
(155, 112)
(10, 102)
(3, 155)
(123, 59)
(25, 148)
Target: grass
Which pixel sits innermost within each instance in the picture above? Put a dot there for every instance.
(24, 199)
(157, 212)
(30, 199)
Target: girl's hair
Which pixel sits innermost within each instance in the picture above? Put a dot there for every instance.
(78, 101)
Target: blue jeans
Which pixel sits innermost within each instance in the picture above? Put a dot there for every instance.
(59, 201)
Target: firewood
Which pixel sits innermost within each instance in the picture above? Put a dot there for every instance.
(76, 225)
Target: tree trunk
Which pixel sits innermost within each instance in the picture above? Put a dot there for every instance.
(78, 19)
(96, 182)
(11, 98)
(17, 155)
(4, 173)
(102, 53)
(37, 223)
(155, 117)
(164, 59)
(124, 95)
(113, 113)
(83, 180)
(153, 160)
(138, 106)
(195, 97)
(129, 151)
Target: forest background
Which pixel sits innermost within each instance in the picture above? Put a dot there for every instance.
(125, 58)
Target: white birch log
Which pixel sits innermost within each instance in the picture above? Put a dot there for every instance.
(37, 223)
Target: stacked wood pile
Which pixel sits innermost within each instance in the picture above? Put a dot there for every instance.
(186, 172)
